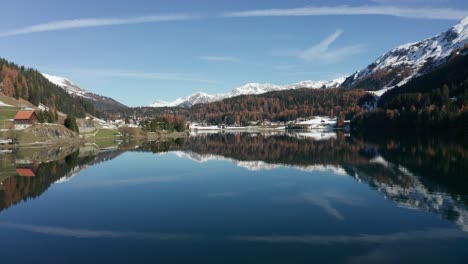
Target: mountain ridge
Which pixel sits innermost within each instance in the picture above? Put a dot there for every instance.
(247, 89)
(393, 68)
(405, 62)
(100, 102)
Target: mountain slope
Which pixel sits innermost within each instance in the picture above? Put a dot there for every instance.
(453, 75)
(435, 103)
(405, 62)
(278, 106)
(29, 84)
(247, 89)
(101, 103)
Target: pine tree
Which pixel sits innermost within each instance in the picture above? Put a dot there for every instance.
(70, 123)
(40, 116)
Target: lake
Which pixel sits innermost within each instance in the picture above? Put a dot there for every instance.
(237, 198)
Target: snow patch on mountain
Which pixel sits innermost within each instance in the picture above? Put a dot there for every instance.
(247, 89)
(405, 62)
(100, 102)
(68, 86)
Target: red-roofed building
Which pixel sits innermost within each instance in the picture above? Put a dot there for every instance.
(25, 118)
(25, 172)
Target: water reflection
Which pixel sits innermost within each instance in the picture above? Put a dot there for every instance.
(27, 173)
(425, 175)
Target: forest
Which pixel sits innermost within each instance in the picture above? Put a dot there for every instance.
(29, 84)
(279, 106)
(165, 122)
(436, 102)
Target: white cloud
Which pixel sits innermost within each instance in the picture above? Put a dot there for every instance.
(325, 204)
(171, 76)
(325, 200)
(159, 76)
(90, 233)
(388, 10)
(423, 13)
(322, 52)
(412, 2)
(219, 58)
(398, 237)
(96, 22)
(431, 234)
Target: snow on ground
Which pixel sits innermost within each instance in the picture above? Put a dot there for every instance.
(200, 127)
(316, 123)
(3, 104)
(319, 120)
(320, 123)
(381, 91)
(68, 86)
(317, 135)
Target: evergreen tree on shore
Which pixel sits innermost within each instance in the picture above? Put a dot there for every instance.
(70, 123)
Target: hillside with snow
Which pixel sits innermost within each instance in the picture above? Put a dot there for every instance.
(247, 89)
(405, 62)
(99, 101)
(68, 86)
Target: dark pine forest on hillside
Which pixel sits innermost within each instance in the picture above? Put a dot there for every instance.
(436, 102)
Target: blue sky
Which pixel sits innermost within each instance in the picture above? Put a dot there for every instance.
(140, 51)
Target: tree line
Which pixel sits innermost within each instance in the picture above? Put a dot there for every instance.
(435, 102)
(29, 84)
(166, 122)
(281, 106)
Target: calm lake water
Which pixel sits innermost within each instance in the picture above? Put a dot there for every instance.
(237, 198)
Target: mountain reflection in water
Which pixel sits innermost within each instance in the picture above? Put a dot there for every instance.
(430, 176)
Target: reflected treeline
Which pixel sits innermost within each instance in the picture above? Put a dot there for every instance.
(27, 173)
(30, 185)
(427, 174)
(439, 162)
(445, 164)
(276, 148)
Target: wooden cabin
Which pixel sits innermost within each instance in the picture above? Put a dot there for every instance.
(25, 118)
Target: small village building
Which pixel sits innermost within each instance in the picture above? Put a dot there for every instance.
(26, 168)
(25, 172)
(25, 118)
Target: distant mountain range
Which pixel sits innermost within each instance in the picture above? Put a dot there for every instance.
(248, 89)
(405, 62)
(101, 103)
(392, 69)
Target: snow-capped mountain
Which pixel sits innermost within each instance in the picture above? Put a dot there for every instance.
(67, 85)
(393, 68)
(99, 101)
(247, 89)
(401, 64)
(196, 98)
(318, 84)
